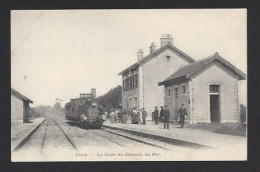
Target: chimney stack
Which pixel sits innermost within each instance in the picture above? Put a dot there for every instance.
(140, 54)
(166, 39)
(93, 93)
(152, 47)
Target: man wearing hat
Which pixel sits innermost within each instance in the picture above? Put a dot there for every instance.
(161, 114)
(166, 117)
(156, 113)
(182, 114)
(144, 115)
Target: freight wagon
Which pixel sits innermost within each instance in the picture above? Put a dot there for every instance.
(85, 110)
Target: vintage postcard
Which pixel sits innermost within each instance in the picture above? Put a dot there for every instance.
(129, 85)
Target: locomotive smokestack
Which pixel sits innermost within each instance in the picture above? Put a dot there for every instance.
(93, 93)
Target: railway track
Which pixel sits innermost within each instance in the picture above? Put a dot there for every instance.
(135, 139)
(47, 136)
(50, 135)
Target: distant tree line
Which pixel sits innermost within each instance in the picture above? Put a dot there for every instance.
(112, 99)
(43, 111)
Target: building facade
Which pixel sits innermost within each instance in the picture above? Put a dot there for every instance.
(208, 89)
(19, 107)
(140, 80)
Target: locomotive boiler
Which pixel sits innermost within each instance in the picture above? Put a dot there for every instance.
(85, 111)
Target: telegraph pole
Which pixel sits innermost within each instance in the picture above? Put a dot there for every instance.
(25, 84)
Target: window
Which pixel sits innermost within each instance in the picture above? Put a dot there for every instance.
(130, 103)
(183, 89)
(168, 58)
(130, 83)
(176, 91)
(135, 102)
(127, 106)
(127, 84)
(214, 88)
(135, 79)
(133, 82)
(124, 85)
(169, 92)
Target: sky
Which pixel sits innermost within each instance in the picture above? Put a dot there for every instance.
(66, 52)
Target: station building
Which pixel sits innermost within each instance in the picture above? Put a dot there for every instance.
(140, 80)
(208, 89)
(19, 107)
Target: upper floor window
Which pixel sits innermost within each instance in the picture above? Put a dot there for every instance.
(168, 58)
(135, 81)
(130, 83)
(176, 91)
(169, 92)
(183, 89)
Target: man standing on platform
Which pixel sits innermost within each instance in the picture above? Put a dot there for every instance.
(161, 114)
(182, 114)
(166, 117)
(144, 115)
(156, 113)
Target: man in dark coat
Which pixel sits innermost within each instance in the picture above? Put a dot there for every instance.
(161, 114)
(166, 117)
(144, 115)
(156, 113)
(182, 115)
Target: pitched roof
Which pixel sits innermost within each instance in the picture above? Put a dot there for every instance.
(152, 55)
(186, 72)
(19, 95)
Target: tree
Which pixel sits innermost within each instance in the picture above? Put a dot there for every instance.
(112, 99)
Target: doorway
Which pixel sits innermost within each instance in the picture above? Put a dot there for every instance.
(175, 105)
(214, 108)
(214, 103)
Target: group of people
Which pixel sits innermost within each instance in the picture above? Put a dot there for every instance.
(164, 116)
(139, 116)
(133, 115)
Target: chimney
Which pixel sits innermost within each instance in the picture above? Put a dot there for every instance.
(140, 54)
(166, 39)
(152, 47)
(93, 93)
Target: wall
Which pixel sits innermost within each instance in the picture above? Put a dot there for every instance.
(172, 102)
(16, 109)
(130, 94)
(216, 73)
(155, 71)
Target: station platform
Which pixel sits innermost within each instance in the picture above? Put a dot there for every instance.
(20, 131)
(188, 135)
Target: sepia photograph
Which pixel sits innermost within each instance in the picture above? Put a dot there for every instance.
(129, 85)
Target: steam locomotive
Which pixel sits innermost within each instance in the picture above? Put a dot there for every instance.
(85, 111)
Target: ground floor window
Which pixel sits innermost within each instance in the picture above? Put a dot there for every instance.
(135, 101)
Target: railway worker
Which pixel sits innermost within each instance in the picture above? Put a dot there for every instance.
(116, 115)
(182, 114)
(156, 113)
(166, 117)
(161, 114)
(144, 115)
